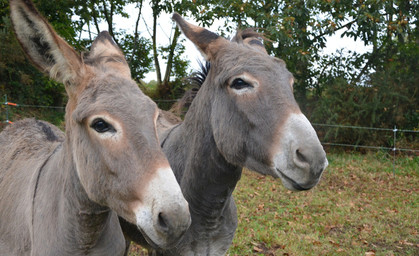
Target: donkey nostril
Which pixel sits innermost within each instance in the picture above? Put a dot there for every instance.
(300, 156)
(163, 223)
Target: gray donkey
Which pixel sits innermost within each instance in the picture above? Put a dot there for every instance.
(244, 115)
(60, 194)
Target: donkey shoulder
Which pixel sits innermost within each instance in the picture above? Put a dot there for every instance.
(35, 129)
(24, 146)
(29, 136)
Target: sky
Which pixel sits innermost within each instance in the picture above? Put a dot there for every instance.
(165, 31)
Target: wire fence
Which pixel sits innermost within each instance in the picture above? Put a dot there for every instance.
(17, 105)
(394, 147)
(394, 130)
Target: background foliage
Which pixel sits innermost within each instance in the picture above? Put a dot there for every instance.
(378, 88)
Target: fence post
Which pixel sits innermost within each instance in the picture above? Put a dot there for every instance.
(394, 149)
(7, 108)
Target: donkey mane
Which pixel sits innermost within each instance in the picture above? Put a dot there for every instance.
(196, 80)
(199, 76)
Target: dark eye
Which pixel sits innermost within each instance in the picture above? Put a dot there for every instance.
(101, 126)
(239, 84)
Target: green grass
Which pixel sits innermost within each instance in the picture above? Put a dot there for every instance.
(359, 208)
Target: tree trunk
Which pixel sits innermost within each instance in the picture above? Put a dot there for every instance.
(109, 19)
(165, 85)
(154, 40)
(136, 34)
(171, 56)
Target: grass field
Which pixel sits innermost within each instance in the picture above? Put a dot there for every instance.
(359, 208)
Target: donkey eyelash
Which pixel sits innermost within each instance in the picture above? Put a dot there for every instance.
(239, 84)
(243, 84)
(101, 126)
(106, 127)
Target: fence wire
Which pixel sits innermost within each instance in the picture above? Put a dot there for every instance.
(394, 148)
(394, 130)
(30, 106)
(364, 128)
(369, 147)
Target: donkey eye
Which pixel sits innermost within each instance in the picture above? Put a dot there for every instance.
(101, 126)
(239, 84)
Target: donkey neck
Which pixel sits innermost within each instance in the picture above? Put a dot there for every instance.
(206, 178)
(78, 225)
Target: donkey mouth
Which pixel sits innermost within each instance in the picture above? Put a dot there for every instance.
(154, 245)
(297, 186)
(148, 239)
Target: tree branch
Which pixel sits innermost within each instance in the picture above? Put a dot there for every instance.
(368, 64)
(336, 29)
(95, 16)
(109, 19)
(136, 34)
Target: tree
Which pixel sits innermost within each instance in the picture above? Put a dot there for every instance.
(18, 78)
(376, 88)
(290, 24)
(297, 30)
(91, 13)
(173, 51)
(138, 47)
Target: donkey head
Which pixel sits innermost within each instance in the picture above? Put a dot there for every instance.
(111, 139)
(255, 120)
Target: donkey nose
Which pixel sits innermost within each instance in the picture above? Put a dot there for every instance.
(163, 216)
(310, 159)
(171, 223)
(301, 159)
(162, 223)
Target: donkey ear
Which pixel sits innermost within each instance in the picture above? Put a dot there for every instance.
(206, 41)
(105, 48)
(252, 38)
(256, 43)
(42, 44)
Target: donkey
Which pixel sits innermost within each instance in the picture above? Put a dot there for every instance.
(244, 115)
(61, 193)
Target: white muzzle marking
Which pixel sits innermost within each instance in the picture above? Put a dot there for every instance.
(299, 159)
(163, 197)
